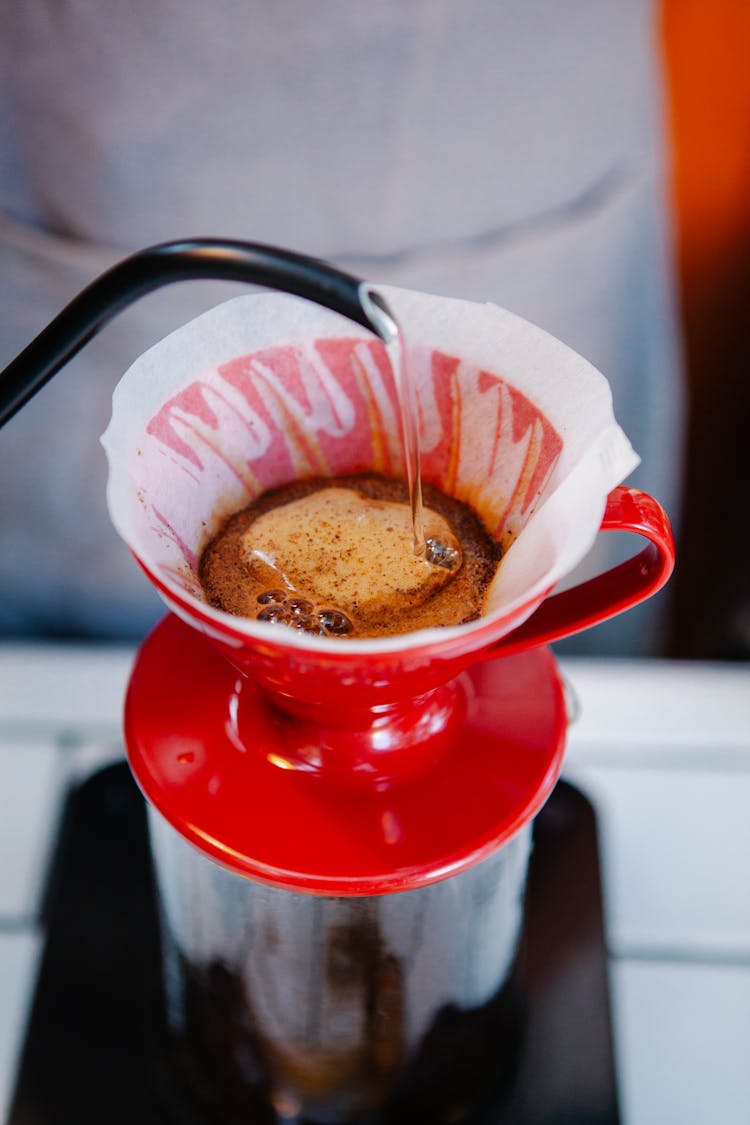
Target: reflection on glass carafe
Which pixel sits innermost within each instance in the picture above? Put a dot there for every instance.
(395, 1007)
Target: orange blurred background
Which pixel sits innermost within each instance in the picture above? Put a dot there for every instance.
(707, 55)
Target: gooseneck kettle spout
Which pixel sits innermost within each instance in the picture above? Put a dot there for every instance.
(168, 262)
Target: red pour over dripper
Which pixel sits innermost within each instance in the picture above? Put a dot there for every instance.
(325, 729)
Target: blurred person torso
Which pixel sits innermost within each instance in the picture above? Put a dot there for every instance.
(510, 152)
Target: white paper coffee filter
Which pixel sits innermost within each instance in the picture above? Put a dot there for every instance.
(266, 388)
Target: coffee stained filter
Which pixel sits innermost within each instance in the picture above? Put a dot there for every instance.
(267, 388)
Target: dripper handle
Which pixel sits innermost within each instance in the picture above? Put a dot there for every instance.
(194, 259)
(608, 594)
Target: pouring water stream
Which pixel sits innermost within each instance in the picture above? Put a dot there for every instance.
(393, 338)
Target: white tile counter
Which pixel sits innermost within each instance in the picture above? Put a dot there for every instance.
(663, 751)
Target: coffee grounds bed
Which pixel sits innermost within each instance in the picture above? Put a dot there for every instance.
(91, 1054)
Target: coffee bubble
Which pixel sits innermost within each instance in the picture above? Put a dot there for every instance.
(442, 554)
(300, 608)
(335, 622)
(308, 625)
(274, 614)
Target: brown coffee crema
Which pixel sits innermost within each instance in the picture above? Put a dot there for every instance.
(334, 557)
